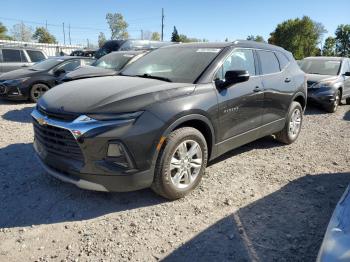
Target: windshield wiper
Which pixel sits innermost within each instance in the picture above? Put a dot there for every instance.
(154, 77)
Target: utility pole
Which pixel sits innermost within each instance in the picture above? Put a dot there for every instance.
(141, 34)
(64, 35)
(88, 43)
(70, 42)
(162, 24)
(46, 24)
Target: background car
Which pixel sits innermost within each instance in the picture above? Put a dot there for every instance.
(107, 65)
(328, 80)
(127, 45)
(12, 58)
(32, 82)
(84, 52)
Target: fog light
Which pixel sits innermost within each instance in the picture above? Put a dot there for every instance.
(114, 150)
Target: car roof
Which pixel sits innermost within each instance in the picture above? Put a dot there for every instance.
(131, 52)
(70, 57)
(238, 43)
(332, 58)
(20, 47)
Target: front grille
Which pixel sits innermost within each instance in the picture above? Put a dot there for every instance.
(65, 116)
(57, 141)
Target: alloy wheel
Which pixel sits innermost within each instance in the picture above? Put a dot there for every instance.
(295, 123)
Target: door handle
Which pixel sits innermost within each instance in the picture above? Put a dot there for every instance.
(287, 80)
(257, 89)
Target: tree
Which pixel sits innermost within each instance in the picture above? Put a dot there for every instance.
(175, 36)
(43, 36)
(342, 36)
(101, 39)
(155, 36)
(118, 26)
(3, 31)
(329, 47)
(299, 36)
(21, 32)
(257, 38)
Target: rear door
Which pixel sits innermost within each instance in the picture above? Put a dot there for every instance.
(240, 105)
(13, 59)
(346, 91)
(278, 85)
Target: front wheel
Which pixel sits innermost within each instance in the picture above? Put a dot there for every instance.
(332, 107)
(181, 163)
(292, 128)
(37, 91)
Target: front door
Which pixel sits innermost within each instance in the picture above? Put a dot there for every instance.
(240, 105)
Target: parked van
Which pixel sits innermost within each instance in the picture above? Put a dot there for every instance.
(12, 58)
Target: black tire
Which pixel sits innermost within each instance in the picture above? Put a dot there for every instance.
(163, 179)
(332, 108)
(286, 136)
(347, 101)
(36, 91)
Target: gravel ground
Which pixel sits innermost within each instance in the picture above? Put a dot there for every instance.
(262, 202)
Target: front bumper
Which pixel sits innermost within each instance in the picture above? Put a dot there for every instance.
(12, 92)
(321, 96)
(86, 164)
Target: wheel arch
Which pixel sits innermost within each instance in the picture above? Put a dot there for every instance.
(301, 99)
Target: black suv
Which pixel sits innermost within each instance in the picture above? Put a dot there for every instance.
(159, 122)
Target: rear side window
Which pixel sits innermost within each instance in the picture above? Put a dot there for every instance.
(282, 58)
(269, 62)
(11, 55)
(87, 61)
(35, 56)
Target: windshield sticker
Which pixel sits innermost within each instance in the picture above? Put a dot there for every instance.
(208, 50)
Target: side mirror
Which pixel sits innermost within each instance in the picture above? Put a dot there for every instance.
(59, 72)
(234, 77)
(347, 74)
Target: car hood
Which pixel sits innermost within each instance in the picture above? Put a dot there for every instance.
(110, 94)
(88, 71)
(19, 73)
(321, 78)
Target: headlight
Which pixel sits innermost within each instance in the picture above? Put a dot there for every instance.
(124, 116)
(15, 82)
(323, 84)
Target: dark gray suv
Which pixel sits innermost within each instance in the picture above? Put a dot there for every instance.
(159, 122)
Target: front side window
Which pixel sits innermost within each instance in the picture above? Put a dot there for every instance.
(269, 62)
(35, 56)
(11, 55)
(240, 59)
(69, 66)
(321, 66)
(176, 64)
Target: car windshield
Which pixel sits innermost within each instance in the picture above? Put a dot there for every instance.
(174, 64)
(46, 64)
(320, 67)
(114, 61)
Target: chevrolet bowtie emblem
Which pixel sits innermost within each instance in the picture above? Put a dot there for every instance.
(42, 121)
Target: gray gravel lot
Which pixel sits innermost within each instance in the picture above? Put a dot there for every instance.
(262, 202)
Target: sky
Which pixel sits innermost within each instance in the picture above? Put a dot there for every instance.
(212, 20)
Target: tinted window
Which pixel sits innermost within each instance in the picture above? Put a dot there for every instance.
(70, 65)
(282, 59)
(35, 56)
(11, 55)
(242, 59)
(269, 62)
(179, 64)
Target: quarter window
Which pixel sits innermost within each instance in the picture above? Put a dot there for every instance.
(282, 59)
(269, 62)
(70, 66)
(240, 59)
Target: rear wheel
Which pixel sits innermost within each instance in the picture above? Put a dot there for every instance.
(181, 163)
(37, 91)
(332, 107)
(292, 128)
